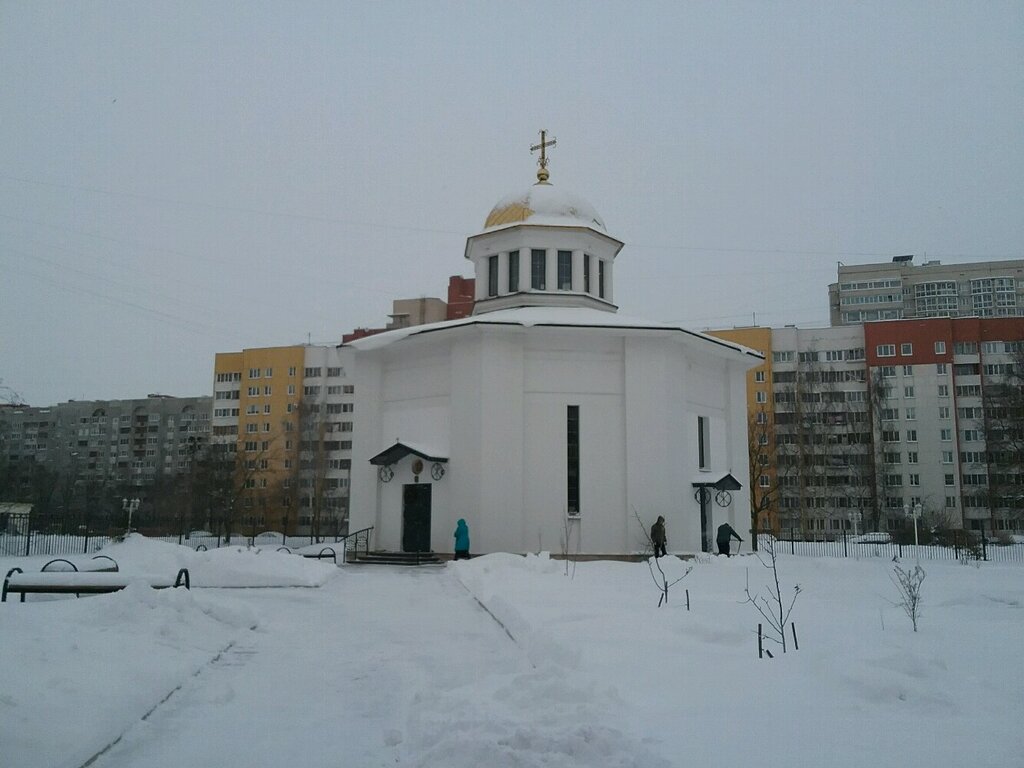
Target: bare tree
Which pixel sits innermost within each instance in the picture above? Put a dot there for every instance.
(815, 431)
(569, 555)
(766, 476)
(1003, 425)
(772, 606)
(660, 579)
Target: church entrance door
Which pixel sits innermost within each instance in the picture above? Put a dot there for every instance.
(416, 517)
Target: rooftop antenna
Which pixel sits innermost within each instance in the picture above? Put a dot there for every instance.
(542, 161)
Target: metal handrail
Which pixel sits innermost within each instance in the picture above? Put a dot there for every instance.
(355, 536)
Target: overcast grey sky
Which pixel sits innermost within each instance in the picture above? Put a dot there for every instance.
(183, 178)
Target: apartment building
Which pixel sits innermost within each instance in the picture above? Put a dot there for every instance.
(116, 443)
(286, 413)
(900, 289)
(862, 423)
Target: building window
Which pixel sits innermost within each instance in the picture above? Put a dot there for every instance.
(911, 414)
(761, 397)
(586, 273)
(940, 347)
(911, 457)
(906, 350)
(492, 275)
(911, 435)
(943, 390)
(946, 435)
(313, 373)
(702, 442)
(759, 377)
(572, 442)
(565, 270)
(513, 271)
(940, 369)
(600, 278)
(908, 392)
(335, 372)
(538, 268)
(885, 350)
(908, 370)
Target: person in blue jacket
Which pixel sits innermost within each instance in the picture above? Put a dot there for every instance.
(461, 540)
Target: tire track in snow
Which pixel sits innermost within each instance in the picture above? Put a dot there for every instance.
(226, 649)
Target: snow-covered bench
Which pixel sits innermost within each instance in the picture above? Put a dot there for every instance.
(82, 583)
(97, 564)
(315, 552)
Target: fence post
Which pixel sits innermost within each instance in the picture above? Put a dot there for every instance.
(28, 534)
(844, 545)
(984, 545)
(85, 548)
(792, 540)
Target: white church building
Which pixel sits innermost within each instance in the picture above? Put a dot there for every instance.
(546, 411)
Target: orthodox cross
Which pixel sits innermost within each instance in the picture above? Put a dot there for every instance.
(542, 174)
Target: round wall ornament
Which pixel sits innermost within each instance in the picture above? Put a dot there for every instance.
(417, 467)
(385, 473)
(723, 498)
(702, 495)
(437, 470)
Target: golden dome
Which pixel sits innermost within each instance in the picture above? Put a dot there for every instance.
(542, 204)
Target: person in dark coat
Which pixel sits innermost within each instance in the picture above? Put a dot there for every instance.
(658, 537)
(461, 540)
(725, 537)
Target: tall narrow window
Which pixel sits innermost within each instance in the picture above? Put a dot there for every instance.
(586, 273)
(538, 268)
(492, 275)
(702, 442)
(513, 271)
(565, 270)
(572, 441)
(600, 278)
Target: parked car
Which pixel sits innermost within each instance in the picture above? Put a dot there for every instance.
(875, 537)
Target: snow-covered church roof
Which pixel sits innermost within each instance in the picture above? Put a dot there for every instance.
(544, 204)
(563, 317)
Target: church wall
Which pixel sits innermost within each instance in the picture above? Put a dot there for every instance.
(364, 509)
(657, 459)
(573, 368)
(500, 440)
(479, 392)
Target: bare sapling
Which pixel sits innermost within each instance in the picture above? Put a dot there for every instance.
(658, 575)
(772, 606)
(569, 555)
(908, 584)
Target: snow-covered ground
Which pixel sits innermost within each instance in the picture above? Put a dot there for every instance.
(506, 661)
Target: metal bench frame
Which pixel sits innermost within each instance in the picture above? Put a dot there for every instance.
(77, 585)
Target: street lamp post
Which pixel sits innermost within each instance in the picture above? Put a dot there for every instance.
(130, 506)
(855, 518)
(914, 512)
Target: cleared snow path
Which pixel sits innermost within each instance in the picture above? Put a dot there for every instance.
(380, 668)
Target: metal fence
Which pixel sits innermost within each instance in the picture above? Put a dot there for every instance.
(954, 545)
(22, 535)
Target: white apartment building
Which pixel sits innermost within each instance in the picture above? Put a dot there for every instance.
(900, 289)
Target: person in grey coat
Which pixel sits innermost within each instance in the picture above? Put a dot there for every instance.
(725, 537)
(658, 537)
